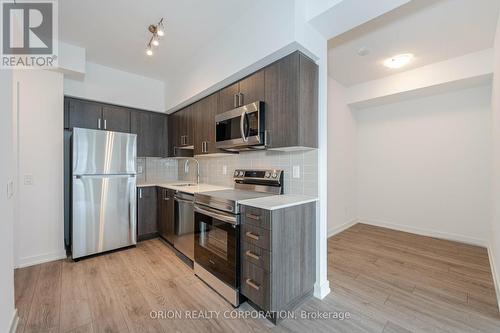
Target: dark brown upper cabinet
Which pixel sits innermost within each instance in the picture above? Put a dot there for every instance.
(182, 127)
(204, 125)
(252, 89)
(229, 98)
(93, 115)
(152, 133)
(84, 114)
(289, 89)
(291, 96)
(246, 91)
(116, 119)
(174, 139)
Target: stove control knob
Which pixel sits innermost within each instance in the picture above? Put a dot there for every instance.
(275, 174)
(242, 173)
(268, 174)
(236, 173)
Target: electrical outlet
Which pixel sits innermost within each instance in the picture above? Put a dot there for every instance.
(224, 170)
(296, 171)
(139, 169)
(28, 180)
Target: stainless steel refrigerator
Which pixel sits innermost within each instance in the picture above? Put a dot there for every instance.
(103, 191)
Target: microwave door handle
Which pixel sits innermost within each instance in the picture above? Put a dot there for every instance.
(242, 126)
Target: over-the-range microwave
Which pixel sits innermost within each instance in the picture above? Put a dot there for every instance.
(241, 128)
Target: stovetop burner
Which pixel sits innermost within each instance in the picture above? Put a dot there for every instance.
(249, 184)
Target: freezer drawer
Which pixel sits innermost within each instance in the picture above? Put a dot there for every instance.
(104, 213)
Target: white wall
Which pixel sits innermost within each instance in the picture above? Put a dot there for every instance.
(424, 165)
(39, 230)
(6, 204)
(342, 138)
(104, 84)
(238, 51)
(495, 226)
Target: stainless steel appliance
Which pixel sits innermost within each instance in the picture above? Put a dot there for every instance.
(104, 191)
(217, 230)
(241, 128)
(184, 224)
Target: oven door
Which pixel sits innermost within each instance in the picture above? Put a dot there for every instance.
(216, 246)
(241, 127)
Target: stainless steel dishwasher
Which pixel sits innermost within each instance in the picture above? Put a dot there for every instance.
(184, 224)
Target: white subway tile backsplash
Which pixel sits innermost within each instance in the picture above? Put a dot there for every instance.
(212, 171)
(156, 170)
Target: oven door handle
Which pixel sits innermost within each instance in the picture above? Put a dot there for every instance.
(215, 215)
(242, 125)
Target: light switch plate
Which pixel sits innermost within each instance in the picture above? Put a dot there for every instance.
(28, 180)
(139, 169)
(224, 170)
(10, 189)
(296, 171)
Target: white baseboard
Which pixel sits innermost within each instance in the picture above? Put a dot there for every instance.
(14, 322)
(40, 259)
(496, 277)
(320, 291)
(337, 230)
(427, 232)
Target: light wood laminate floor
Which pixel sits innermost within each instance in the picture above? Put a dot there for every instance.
(388, 281)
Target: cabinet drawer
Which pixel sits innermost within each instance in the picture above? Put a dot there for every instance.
(256, 236)
(255, 284)
(257, 256)
(257, 217)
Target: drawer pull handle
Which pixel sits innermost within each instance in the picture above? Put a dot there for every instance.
(253, 217)
(252, 255)
(252, 284)
(252, 236)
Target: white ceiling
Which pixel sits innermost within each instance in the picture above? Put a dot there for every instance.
(114, 32)
(433, 30)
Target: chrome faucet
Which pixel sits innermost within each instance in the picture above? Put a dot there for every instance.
(186, 168)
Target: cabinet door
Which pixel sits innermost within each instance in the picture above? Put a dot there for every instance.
(281, 96)
(189, 123)
(166, 221)
(210, 106)
(147, 213)
(116, 119)
(200, 127)
(151, 133)
(291, 95)
(157, 141)
(140, 125)
(85, 114)
(184, 120)
(174, 133)
(228, 98)
(252, 89)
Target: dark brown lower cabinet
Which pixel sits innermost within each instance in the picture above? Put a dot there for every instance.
(278, 257)
(147, 213)
(166, 217)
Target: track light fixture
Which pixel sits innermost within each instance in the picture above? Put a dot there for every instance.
(157, 31)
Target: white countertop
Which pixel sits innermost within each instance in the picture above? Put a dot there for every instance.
(186, 189)
(278, 201)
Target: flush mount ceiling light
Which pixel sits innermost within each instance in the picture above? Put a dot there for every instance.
(398, 61)
(157, 31)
